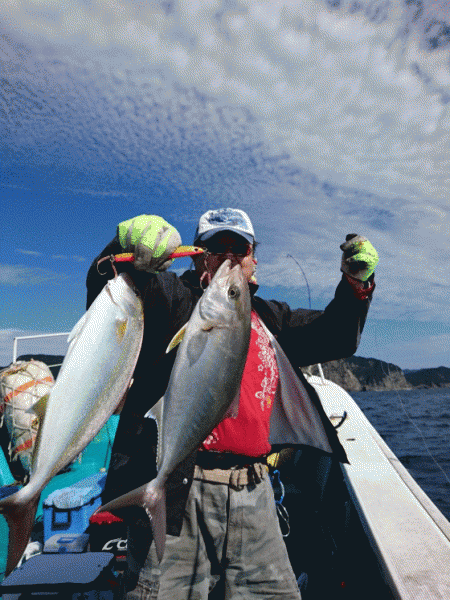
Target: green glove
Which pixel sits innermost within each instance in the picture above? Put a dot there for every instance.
(152, 240)
(359, 257)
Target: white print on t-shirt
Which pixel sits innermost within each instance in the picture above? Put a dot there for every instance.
(268, 366)
(212, 438)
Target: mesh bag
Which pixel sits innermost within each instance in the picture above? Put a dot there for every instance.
(22, 384)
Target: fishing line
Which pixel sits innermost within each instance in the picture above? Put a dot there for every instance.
(410, 419)
(304, 275)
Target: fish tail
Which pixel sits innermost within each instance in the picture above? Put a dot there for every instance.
(152, 498)
(20, 512)
(155, 507)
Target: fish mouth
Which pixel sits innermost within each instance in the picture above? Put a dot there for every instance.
(228, 277)
(226, 286)
(224, 269)
(123, 294)
(233, 281)
(236, 276)
(229, 274)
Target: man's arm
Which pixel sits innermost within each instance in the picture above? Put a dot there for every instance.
(309, 337)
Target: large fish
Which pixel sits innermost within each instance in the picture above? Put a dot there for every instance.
(103, 349)
(203, 387)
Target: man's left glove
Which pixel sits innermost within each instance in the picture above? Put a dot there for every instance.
(359, 257)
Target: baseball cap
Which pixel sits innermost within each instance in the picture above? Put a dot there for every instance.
(224, 219)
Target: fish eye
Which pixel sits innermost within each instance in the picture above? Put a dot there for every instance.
(233, 292)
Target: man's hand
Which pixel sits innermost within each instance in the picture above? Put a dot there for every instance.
(151, 239)
(359, 257)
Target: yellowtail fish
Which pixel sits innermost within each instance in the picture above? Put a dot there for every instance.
(203, 387)
(103, 350)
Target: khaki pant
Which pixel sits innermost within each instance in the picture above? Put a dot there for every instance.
(230, 546)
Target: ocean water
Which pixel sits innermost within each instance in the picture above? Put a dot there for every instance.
(416, 426)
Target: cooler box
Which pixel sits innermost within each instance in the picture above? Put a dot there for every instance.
(68, 510)
(66, 575)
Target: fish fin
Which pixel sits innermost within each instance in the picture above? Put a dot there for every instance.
(155, 508)
(77, 328)
(121, 329)
(177, 338)
(40, 406)
(37, 441)
(134, 498)
(196, 347)
(233, 409)
(39, 409)
(156, 413)
(20, 515)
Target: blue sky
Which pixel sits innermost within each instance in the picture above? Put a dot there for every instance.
(318, 118)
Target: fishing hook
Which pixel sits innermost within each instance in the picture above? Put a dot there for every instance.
(112, 259)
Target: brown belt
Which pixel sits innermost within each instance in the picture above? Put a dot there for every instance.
(235, 477)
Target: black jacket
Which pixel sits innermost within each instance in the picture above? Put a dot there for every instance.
(306, 336)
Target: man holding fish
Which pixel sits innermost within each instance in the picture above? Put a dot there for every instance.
(231, 391)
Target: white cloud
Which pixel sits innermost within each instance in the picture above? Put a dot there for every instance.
(205, 99)
(338, 89)
(29, 252)
(73, 258)
(21, 275)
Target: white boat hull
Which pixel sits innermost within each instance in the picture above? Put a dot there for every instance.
(408, 534)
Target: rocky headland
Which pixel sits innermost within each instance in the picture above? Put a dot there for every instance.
(357, 374)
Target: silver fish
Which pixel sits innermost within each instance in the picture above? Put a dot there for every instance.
(204, 385)
(103, 350)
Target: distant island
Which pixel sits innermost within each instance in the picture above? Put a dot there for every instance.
(358, 374)
(354, 374)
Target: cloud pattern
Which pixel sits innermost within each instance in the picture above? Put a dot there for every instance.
(319, 118)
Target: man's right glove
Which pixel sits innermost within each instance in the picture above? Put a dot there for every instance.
(152, 240)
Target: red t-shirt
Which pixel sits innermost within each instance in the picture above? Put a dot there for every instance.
(248, 433)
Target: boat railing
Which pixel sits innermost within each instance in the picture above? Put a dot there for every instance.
(31, 337)
(308, 372)
(322, 377)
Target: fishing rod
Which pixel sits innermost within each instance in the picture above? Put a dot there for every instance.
(319, 366)
(304, 275)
